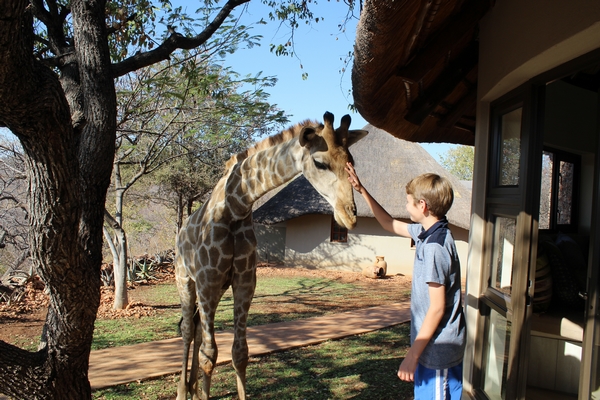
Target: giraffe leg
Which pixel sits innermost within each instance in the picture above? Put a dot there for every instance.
(182, 385)
(243, 291)
(193, 382)
(208, 351)
(187, 294)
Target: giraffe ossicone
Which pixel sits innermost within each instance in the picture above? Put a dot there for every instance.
(216, 246)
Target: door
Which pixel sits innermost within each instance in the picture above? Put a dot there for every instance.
(589, 385)
(510, 244)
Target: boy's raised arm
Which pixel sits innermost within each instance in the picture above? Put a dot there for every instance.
(383, 217)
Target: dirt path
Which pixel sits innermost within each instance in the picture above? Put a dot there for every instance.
(22, 323)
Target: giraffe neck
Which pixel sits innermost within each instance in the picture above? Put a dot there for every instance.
(262, 172)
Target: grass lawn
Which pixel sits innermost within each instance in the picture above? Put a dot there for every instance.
(357, 367)
(277, 298)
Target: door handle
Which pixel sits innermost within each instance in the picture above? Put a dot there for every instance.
(583, 295)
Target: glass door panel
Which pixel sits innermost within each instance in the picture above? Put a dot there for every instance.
(510, 148)
(495, 359)
(503, 254)
(509, 243)
(497, 307)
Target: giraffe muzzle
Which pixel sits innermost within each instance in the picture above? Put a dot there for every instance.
(346, 216)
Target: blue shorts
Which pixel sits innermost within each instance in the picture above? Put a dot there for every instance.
(438, 384)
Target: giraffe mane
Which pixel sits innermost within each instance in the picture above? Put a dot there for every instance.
(281, 137)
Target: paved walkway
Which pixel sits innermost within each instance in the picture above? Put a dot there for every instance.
(125, 364)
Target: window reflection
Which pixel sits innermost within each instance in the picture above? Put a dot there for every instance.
(510, 148)
(546, 190)
(495, 361)
(503, 254)
(558, 192)
(566, 178)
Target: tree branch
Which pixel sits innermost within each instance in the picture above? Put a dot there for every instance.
(54, 20)
(174, 42)
(110, 220)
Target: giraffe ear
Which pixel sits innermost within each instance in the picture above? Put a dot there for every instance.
(307, 134)
(355, 135)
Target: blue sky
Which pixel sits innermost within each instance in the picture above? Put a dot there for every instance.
(321, 49)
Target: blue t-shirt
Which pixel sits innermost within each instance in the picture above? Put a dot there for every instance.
(436, 260)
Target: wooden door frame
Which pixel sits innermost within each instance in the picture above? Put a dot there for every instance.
(522, 203)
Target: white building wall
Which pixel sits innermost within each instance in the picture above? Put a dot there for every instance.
(520, 39)
(270, 239)
(308, 245)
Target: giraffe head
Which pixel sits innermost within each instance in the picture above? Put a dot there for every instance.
(326, 155)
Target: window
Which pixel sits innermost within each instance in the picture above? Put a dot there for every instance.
(506, 162)
(509, 157)
(559, 191)
(338, 233)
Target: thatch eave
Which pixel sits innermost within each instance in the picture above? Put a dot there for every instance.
(415, 68)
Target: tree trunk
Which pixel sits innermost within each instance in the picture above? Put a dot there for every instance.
(121, 298)
(179, 211)
(190, 206)
(118, 247)
(120, 241)
(69, 175)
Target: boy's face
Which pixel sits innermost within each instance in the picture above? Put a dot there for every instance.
(416, 210)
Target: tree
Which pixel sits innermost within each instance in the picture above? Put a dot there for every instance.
(58, 63)
(165, 114)
(13, 209)
(459, 161)
(194, 174)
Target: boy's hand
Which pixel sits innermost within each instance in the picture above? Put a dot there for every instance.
(352, 178)
(407, 369)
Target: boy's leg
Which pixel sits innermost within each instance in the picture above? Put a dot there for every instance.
(455, 375)
(438, 384)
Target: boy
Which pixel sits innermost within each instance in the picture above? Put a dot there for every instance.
(434, 360)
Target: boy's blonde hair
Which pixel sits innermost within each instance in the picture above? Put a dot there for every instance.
(435, 190)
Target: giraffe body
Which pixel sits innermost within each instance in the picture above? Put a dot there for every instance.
(216, 246)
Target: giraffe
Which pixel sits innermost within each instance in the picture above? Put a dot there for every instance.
(216, 246)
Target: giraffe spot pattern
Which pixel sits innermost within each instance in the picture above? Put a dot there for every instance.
(216, 246)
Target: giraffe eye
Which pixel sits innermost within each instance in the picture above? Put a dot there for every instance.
(320, 165)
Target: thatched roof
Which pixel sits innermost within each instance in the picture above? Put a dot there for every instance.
(294, 200)
(384, 165)
(415, 68)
